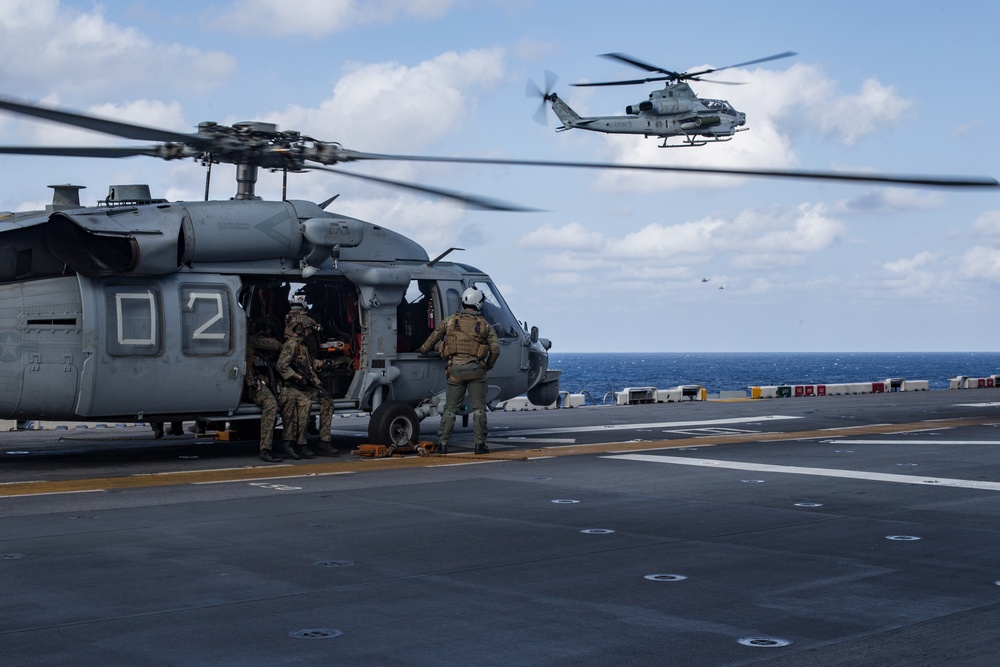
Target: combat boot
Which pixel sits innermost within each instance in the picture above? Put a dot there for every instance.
(306, 453)
(327, 448)
(268, 456)
(286, 446)
(481, 448)
(442, 448)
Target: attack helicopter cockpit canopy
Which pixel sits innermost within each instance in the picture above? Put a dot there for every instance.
(141, 307)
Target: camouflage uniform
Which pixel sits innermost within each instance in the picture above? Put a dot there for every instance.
(471, 349)
(257, 390)
(298, 397)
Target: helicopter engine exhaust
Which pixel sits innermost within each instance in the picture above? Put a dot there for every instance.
(633, 110)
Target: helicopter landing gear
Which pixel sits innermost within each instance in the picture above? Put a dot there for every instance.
(393, 421)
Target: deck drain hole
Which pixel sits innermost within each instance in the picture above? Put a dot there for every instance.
(16, 556)
(316, 633)
(764, 642)
(665, 577)
(597, 531)
(902, 538)
(566, 502)
(334, 563)
(808, 504)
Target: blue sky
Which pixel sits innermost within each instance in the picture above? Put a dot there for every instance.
(616, 261)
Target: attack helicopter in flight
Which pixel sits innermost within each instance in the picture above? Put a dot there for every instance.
(140, 308)
(673, 111)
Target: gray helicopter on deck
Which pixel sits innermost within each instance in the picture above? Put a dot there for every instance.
(673, 111)
(139, 308)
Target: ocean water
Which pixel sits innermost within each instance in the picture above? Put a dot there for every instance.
(599, 373)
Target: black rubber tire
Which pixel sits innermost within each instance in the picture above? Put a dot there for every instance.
(391, 420)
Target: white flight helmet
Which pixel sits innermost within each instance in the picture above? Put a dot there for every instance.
(473, 298)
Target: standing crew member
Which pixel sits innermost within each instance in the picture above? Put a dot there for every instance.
(298, 370)
(470, 349)
(260, 345)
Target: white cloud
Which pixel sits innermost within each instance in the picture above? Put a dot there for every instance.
(365, 103)
(319, 18)
(80, 53)
(572, 235)
(988, 224)
(982, 263)
(767, 240)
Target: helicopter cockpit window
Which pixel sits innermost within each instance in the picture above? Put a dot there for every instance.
(206, 323)
(720, 106)
(415, 317)
(135, 322)
(497, 313)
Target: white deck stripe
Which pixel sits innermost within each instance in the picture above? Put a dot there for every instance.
(820, 472)
(632, 427)
(914, 442)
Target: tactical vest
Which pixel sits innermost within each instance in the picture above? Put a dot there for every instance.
(466, 334)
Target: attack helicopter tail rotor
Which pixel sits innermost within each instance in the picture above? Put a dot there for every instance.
(547, 95)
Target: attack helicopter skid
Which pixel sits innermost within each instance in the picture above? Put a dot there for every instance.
(139, 308)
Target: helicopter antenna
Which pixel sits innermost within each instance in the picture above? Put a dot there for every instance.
(442, 256)
(329, 201)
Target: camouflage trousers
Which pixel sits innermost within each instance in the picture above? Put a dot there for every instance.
(263, 397)
(462, 378)
(296, 403)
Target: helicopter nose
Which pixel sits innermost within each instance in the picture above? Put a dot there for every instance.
(743, 119)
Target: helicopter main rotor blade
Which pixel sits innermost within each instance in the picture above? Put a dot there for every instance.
(635, 62)
(113, 127)
(675, 76)
(472, 201)
(801, 174)
(82, 151)
(629, 82)
(777, 56)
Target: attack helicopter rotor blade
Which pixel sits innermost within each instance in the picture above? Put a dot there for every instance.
(113, 127)
(81, 151)
(635, 62)
(472, 201)
(777, 56)
(676, 76)
(629, 82)
(915, 180)
(532, 90)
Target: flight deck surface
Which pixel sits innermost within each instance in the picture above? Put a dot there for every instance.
(839, 530)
